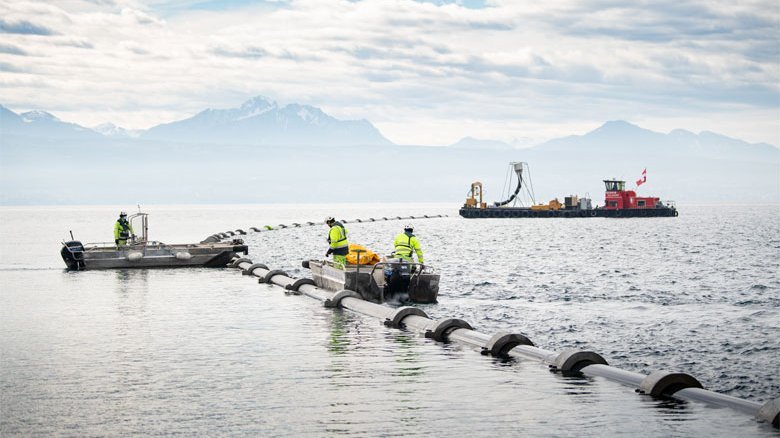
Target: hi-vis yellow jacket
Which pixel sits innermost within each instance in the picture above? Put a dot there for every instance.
(122, 230)
(405, 243)
(337, 237)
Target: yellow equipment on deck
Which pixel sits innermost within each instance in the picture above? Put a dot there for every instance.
(550, 206)
(367, 257)
(476, 192)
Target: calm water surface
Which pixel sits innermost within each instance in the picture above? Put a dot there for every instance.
(208, 351)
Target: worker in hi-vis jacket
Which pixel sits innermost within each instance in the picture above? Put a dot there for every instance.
(122, 230)
(406, 243)
(337, 239)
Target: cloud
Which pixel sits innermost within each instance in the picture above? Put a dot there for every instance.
(7, 67)
(423, 71)
(23, 27)
(12, 50)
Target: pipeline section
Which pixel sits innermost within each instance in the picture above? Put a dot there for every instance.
(569, 362)
(219, 236)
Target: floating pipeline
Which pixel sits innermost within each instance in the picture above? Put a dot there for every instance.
(659, 384)
(219, 236)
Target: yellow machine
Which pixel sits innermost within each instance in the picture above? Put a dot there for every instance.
(550, 206)
(476, 192)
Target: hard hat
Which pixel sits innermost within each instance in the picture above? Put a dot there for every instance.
(123, 213)
(329, 219)
(409, 227)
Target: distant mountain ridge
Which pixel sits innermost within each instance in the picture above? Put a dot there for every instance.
(477, 143)
(621, 137)
(111, 130)
(42, 124)
(258, 121)
(262, 121)
(206, 157)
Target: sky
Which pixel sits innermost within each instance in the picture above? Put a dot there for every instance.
(423, 72)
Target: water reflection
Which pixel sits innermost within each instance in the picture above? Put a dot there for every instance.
(131, 290)
(339, 341)
(406, 353)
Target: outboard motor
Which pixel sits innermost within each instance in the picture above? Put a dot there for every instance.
(397, 275)
(73, 254)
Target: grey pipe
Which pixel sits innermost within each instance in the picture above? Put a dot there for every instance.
(298, 225)
(714, 398)
(766, 412)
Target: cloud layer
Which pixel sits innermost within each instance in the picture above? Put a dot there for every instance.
(424, 72)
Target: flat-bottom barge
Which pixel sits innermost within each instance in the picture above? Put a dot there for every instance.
(618, 202)
(520, 212)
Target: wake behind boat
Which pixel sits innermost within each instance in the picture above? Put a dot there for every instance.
(143, 253)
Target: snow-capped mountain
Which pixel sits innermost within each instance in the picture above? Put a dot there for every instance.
(258, 121)
(41, 124)
(114, 131)
(262, 121)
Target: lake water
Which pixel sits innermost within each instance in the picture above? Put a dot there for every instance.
(211, 352)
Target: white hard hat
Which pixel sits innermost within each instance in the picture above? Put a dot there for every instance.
(123, 213)
(329, 219)
(408, 227)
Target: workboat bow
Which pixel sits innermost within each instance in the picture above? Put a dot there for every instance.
(143, 253)
(393, 280)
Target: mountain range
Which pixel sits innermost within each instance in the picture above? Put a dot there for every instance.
(263, 152)
(258, 121)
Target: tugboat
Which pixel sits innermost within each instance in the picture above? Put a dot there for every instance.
(618, 202)
(143, 253)
(393, 280)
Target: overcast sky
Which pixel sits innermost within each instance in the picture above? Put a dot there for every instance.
(424, 72)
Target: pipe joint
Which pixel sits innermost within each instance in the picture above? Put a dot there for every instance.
(270, 275)
(335, 302)
(502, 342)
(236, 262)
(664, 384)
(443, 327)
(295, 288)
(770, 412)
(396, 321)
(248, 271)
(569, 362)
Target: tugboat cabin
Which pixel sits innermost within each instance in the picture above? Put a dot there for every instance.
(618, 198)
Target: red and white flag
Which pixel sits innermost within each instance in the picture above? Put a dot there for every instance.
(642, 180)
